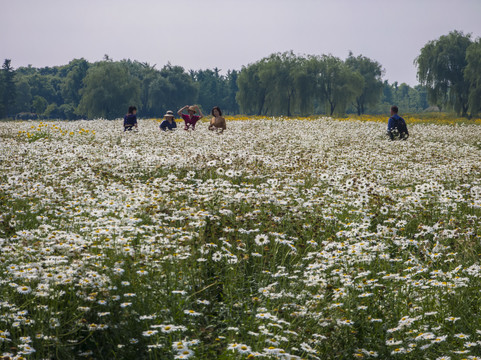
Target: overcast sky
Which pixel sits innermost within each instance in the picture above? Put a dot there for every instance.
(227, 34)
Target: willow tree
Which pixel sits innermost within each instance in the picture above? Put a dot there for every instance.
(473, 76)
(282, 83)
(338, 84)
(108, 91)
(306, 84)
(252, 92)
(171, 89)
(277, 75)
(371, 71)
(282, 75)
(441, 67)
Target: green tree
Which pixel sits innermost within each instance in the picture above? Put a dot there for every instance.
(338, 84)
(211, 87)
(8, 88)
(108, 90)
(473, 76)
(2, 92)
(23, 101)
(408, 99)
(276, 73)
(159, 91)
(422, 94)
(46, 86)
(72, 82)
(387, 92)
(441, 67)
(251, 96)
(146, 74)
(39, 105)
(183, 90)
(52, 111)
(305, 79)
(282, 83)
(371, 71)
(171, 89)
(67, 111)
(229, 100)
(285, 77)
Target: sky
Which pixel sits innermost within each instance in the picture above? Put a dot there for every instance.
(227, 34)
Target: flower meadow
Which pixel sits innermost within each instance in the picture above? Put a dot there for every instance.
(279, 239)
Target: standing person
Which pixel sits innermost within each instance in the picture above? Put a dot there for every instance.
(130, 120)
(396, 126)
(217, 122)
(169, 122)
(190, 119)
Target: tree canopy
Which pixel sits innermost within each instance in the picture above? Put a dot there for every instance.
(441, 67)
(338, 84)
(289, 84)
(371, 72)
(108, 87)
(8, 89)
(472, 73)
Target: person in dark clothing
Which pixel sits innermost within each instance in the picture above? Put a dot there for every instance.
(396, 126)
(130, 120)
(169, 122)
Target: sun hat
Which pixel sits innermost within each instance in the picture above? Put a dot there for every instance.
(192, 108)
(169, 113)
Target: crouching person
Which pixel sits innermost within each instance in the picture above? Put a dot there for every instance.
(217, 122)
(169, 122)
(130, 120)
(396, 126)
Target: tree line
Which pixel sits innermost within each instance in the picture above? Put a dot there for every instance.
(106, 88)
(449, 71)
(301, 85)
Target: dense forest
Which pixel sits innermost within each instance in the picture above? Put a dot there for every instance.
(449, 71)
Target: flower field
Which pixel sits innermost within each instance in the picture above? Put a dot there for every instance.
(279, 239)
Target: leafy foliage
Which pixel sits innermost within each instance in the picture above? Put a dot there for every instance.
(472, 73)
(441, 67)
(338, 83)
(280, 84)
(8, 89)
(108, 87)
(371, 71)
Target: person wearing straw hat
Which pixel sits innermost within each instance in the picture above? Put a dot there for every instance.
(169, 122)
(191, 118)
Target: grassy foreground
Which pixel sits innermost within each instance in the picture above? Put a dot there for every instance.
(280, 239)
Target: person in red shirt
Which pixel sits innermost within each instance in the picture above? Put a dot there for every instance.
(190, 119)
